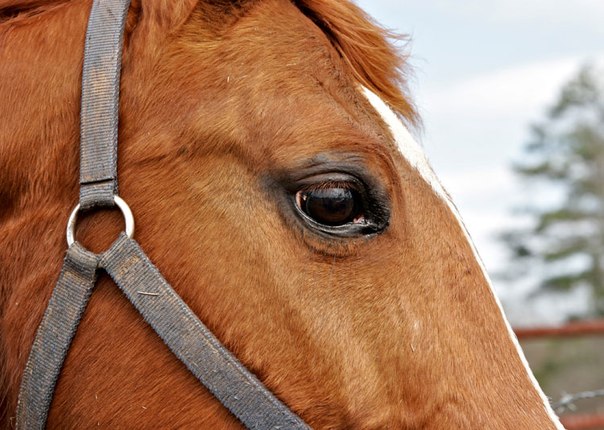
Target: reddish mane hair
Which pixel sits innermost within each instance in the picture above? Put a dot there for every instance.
(366, 47)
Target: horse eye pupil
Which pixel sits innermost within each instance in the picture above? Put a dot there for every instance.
(331, 206)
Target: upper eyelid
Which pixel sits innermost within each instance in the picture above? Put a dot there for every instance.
(349, 185)
(312, 179)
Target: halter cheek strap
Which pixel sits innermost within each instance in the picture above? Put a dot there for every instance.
(127, 264)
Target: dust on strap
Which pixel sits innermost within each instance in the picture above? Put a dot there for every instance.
(127, 264)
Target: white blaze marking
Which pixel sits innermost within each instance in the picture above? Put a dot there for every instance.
(414, 154)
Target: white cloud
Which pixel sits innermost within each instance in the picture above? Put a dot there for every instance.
(588, 13)
(468, 184)
(556, 12)
(519, 91)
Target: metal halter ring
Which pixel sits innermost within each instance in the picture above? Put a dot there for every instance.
(120, 203)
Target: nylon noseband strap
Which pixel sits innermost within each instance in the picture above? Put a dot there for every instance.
(192, 342)
(55, 333)
(180, 329)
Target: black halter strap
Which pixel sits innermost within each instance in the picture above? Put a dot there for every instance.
(127, 264)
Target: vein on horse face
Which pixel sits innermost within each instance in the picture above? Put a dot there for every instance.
(416, 157)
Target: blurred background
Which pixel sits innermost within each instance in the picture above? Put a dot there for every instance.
(512, 99)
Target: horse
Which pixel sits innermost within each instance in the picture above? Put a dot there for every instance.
(267, 155)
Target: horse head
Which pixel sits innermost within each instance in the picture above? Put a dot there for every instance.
(265, 152)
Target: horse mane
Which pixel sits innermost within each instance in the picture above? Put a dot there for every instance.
(368, 50)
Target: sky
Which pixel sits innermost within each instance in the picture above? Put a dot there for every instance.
(482, 73)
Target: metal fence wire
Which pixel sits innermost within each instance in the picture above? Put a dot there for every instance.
(567, 402)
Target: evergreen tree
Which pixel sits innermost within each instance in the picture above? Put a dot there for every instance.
(564, 246)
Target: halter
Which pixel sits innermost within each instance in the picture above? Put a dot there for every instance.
(127, 264)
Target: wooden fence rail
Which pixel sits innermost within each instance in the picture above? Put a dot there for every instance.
(583, 422)
(574, 329)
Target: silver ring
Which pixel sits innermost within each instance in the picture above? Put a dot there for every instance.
(120, 203)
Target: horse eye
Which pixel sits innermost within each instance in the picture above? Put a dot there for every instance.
(331, 205)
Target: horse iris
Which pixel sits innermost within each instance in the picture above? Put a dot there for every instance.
(331, 206)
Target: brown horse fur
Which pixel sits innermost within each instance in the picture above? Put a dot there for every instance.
(220, 101)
